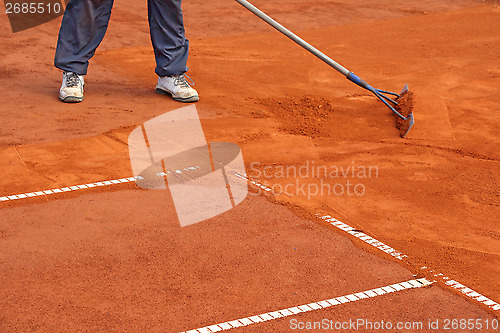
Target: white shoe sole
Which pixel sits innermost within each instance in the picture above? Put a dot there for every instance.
(191, 99)
(71, 99)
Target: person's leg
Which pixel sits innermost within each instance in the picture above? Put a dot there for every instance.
(82, 29)
(167, 35)
(171, 49)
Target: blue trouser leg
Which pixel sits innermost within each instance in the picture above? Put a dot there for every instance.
(167, 35)
(85, 22)
(83, 27)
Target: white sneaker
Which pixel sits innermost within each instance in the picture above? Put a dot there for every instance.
(177, 87)
(72, 88)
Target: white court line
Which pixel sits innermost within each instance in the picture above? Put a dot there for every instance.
(387, 249)
(86, 186)
(68, 189)
(364, 237)
(253, 182)
(397, 287)
(469, 293)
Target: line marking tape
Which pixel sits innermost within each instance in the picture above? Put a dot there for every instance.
(90, 185)
(411, 284)
(364, 237)
(471, 294)
(253, 182)
(69, 189)
(387, 249)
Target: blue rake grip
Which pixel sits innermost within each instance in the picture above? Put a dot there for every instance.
(379, 93)
(385, 99)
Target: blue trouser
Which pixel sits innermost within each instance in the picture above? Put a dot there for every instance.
(85, 22)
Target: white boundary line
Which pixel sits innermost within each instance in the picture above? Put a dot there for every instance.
(469, 293)
(387, 249)
(411, 284)
(86, 186)
(364, 237)
(68, 189)
(336, 223)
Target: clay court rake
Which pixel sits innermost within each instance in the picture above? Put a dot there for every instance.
(400, 104)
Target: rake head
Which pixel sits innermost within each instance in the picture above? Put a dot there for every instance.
(405, 108)
(402, 106)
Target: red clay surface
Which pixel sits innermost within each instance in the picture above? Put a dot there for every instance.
(116, 258)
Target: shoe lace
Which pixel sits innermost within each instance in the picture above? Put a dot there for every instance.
(180, 80)
(72, 80)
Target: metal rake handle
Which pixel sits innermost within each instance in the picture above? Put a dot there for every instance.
(389, 102)
(294, 37)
